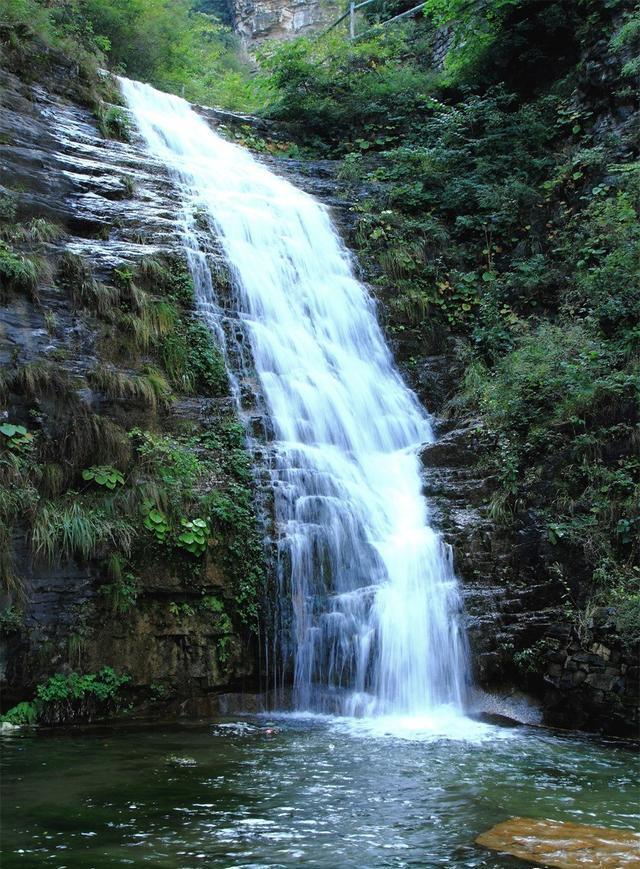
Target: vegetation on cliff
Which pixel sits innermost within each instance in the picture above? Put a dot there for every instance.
(502, 225)
(83, 484)
(497, 147)
(175, 46)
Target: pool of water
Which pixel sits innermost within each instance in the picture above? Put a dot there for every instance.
(294, 791)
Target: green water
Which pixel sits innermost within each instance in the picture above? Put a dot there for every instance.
(314, 792)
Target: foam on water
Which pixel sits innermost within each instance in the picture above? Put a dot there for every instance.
(373, 603)
(443, 723)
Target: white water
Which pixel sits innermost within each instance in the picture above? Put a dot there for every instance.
(373, 599)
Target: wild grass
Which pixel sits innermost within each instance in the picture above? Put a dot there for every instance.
(39, 378)
(18, 272)
(137, 298)
(128, 186)
(4, 387)
(63, 531)
(17, 500)
(10, 581)
(38, 230)
(140, 329)
(51, 322)
(402, 260)
(153, 321)
(150, 388)
(114, 564)
(76, 647)
(76, 277)
(152, 271)
(113, 123)
(88, 438)
(127, 501)
(52, 480)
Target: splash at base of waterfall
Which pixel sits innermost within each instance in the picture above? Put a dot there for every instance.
(443, 722)
(369, 604)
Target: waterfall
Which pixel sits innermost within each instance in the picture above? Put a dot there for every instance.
(373, 599)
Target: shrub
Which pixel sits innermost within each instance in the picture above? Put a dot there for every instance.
(194, 537)
(122, 593)
(156, 521)
(114, 124)
(628, 618)
(16, 437)
(103, 686)
(23, 714)
(193, 361)
(11, 621)
(17, 272)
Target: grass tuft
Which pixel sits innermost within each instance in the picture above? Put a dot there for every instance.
(61, 532)
(150, 388)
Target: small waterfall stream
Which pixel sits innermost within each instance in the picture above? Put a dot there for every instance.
(373, 598)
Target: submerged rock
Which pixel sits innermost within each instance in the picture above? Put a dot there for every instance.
(563, 844)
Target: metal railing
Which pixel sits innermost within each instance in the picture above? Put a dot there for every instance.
(351, 14)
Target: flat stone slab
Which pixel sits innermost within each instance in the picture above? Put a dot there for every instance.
(564, 845)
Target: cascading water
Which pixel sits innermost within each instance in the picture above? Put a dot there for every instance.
(374, 601)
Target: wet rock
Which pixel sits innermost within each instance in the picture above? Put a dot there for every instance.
(57, 165)
(562, 844)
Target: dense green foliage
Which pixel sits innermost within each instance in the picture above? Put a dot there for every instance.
(501, 225)
(169, 43)
(63, 696)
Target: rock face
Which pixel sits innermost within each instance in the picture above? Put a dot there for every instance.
(518, 629)
(116, 207)
(591, 678)
(257, 20)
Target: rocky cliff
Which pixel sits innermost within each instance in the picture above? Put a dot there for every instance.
(93, 345)
(257, 20)
(80, 341)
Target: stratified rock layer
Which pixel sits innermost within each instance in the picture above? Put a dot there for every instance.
(115, 207)
(257, 20)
